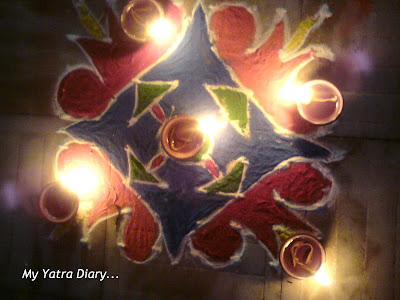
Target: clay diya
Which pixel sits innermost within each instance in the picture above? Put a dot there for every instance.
(138, 15)
(323, 104)
(302, 256)
(57, 203)
(182, 138)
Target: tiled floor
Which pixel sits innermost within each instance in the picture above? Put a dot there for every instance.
(362, 235)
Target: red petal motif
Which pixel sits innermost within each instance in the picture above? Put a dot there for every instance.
(117, 62)
(234, 29)
(210, 165)
(158, 112)
(157, 161)
(258, 211)
(142, 230)
(141, 233)
(82, 94)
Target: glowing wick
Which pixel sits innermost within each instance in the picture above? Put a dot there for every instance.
(318, 101)
(322, 276)
(210, 125)
(82, 179)
(138, 15)
(292, 92)
(161, 30)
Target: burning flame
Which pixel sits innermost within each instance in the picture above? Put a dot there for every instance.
(82, 179)
(161, 30)
(293, 92)
(322, 276)
(211, 125)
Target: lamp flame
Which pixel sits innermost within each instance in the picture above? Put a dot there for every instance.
(322, 276)
(161, 30)
(211, 125)
(292, 92)
(82, 179)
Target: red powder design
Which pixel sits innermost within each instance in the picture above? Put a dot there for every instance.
(157, 161)
(158, 112)
(82, 94)
(259, 211)
(300, 184)
(112, 195)
(140, 234)
(117, 62)
(209, 164)
(234, 30)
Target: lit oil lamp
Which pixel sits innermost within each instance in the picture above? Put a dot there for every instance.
(302, 256)
(144, 19)
(182, 138)
(319, 102)
(57, 203)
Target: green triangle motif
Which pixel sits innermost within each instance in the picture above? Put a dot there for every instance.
(146, 95)
(88, 20)
(230, 183)
(138, 172)
(235, 104)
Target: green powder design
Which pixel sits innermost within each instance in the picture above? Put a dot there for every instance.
(230, 183)
(300, 34)
(235, 103)
(146, 95)
(138, 172)
(88, 21)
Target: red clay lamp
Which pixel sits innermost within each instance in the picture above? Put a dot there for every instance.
(302, 256)
(182, 138)
(319, 102)
(144, 19)
(57, 203)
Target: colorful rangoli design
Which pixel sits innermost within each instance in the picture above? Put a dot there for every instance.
(252, 179)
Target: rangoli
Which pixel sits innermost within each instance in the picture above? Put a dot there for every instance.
(256, 173)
